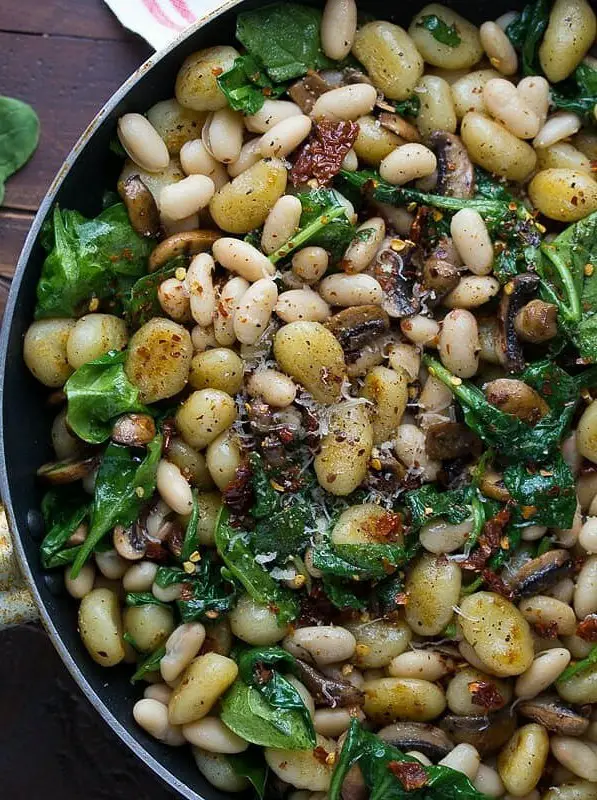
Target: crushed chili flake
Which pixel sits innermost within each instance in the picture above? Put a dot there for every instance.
(386, 528)
(322, 155)
(186, 591)
(411, 774)
(490, 541)
(546, 630)
(587, 629)
(486, 695)
(321, 754)
(238, 495)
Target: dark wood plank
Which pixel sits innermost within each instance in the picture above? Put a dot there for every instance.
(14, 226)
(92, 19)
(66, 80)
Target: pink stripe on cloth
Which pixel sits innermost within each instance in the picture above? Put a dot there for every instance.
(159, 15)
(183, 9)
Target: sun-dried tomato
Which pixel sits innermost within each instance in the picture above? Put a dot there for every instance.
(322, 155)
(546, 630)
(238, 495)
(587, 629)
(490, 541)
(496, 584)
(410, 774)
(486, 695)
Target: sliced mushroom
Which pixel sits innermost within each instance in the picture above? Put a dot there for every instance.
(427, 739)
(537, 322)
(133, 430)
(492, 486)
(141, 207)
(487, 733)
(399, 126)
(446, 440)
(68, 471)
(540, 574)
(516, 398)
(130, 543)
(185, 243)
(515, 296)
(79, 535)
(354, 327)
(455, 173)
(306, 91)
(395, 270)
(328, 691)
(553, 714)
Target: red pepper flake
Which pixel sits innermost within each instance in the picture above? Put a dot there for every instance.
(486, 695)
(490, 541)
(411, 774)
(546, 630)
(321, 754)
(587, 629)
(155, 552)
(322, 155)
(238, 495)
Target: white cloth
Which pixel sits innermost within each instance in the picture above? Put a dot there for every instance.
(160, 21)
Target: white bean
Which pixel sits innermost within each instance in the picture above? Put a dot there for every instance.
(174, 300)
(242, 258)
(81, 585)
(459, 343)
(472, 291)
(111, 565)
(168, 594)
(143, 143)
(338, 28)
(544, 610)
(420, 330)
(409, 446)
(250, 154)
(587, 538)
(212, 735)
(282, 223)
(542, 673)
(174, 489)
(506, 105)
(559, 126)
(254, 311)
(350, 290)
(152, 716)
(575, 755)
(139, 577)
(334, 721)
(226, 307)
(222, 135)
(182, 646)
(180, 200)
(463, 758)
(440, 537)
(361, 251)
(472, 240)
(407, 163)
(196, 159)
(302, 304)
(498, 48)
(158, 691)
(585, 593)
(326, 644)
(423, 664)
(351, 161)
(270, 113)
(534, 91)
(203, 338)
(488, 782)
(199, 284)
(405, 357)
(284, 137)
(310, 264)
(274, 387)
(346, 103)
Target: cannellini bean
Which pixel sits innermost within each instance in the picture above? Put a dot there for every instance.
(226, 306)
(577, 756)
(378, 641)
(542, 673)
(350, 290)
(152, 716)
(534, 92)
(81, 585)
(521, 762)
(459, 343)
(173, 488)
(433, 588)
(142, 142)
(389, 699)
(212, 735)
(407, 163)
(390, 58)
(488, 782)
(424, 664)
(498, 48)
(585, 593)
(334, 721)
(301, 768)
(420, 330)
(436, 396)
(110, 564)
(223, 457)
(182, 646)
(409, 446)
(275, 388)
(195, 159)
(180, 200)
(203, 682)
(506, 105)
(222, 135)
(217, 769)
(281, 224)
(174, 300)
(139, 577)
(545, 610)
(242, 258)
(560, 126)
(362, 250)
(565, 195)
(441, 537)
(310, 264)
(421, 757)
(100, 627)
(587, 537)
(563, 590)
(570, 33)
(199, 284)
(346, 103)
(338, 28)
(325, 644)
(250, 154)
(406, 358)
(256, 624)
(495, 149)
(302, 304)
(463, 758)
(472, 291)
(254, 310)
(285, 136)
(158, 691)
(341, 464)
(271, 112)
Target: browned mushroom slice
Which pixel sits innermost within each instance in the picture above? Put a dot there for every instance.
(399, 126)
(395, 271)
(141, 207)
(492, 485)
(487, 733)
(553, 714)
(328, 691)
(306, 91)
(357, 325)
(354, 786)
(517, 293)
(446, 440)
(133, 430)
(537, 322)
(186, 243)
(540, 574)
(131, 542)
(68, 471)
(455, 173)
(427, 739)
(516, 398)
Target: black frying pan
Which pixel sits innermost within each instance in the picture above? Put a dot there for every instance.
(25, 422)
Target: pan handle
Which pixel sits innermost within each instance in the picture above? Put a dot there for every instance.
(16, 603)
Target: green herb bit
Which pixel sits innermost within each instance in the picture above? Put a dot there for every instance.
(440, 30)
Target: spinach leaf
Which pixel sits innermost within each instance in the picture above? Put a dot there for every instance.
(251, 765)
(190, 543)
(19, 135)
(123, 484)
(526, 31)
(149, 664)
(143, 599)
(142, 304)
(545, 496)
(491, 187)
(234, 550)
(266, 500)
(285, 532)
(246, 85)
(89, 259)
(285, 38)
(440, 30)
(429, 503)
(63, 510)
(579, 666)
(361, 562)
(206, 590)
(97, 393)
(340, 594)
(323, 223)
(578, 93)
(409, 107)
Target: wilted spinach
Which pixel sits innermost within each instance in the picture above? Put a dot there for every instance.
(149, 664)
(251, 765)
(578, 93)
(526, 31)
(543, 496)
(440, 30)
(579, 666)
(429, 503)
(63, 510)
(135, 599)
(246, 85)
(19, 135)
(141, 303)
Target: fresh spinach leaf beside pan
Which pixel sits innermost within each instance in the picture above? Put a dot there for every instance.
(324, 376)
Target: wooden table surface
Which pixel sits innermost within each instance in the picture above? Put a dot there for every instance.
(65, 58)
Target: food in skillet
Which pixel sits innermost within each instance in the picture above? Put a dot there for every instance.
(323, 382)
